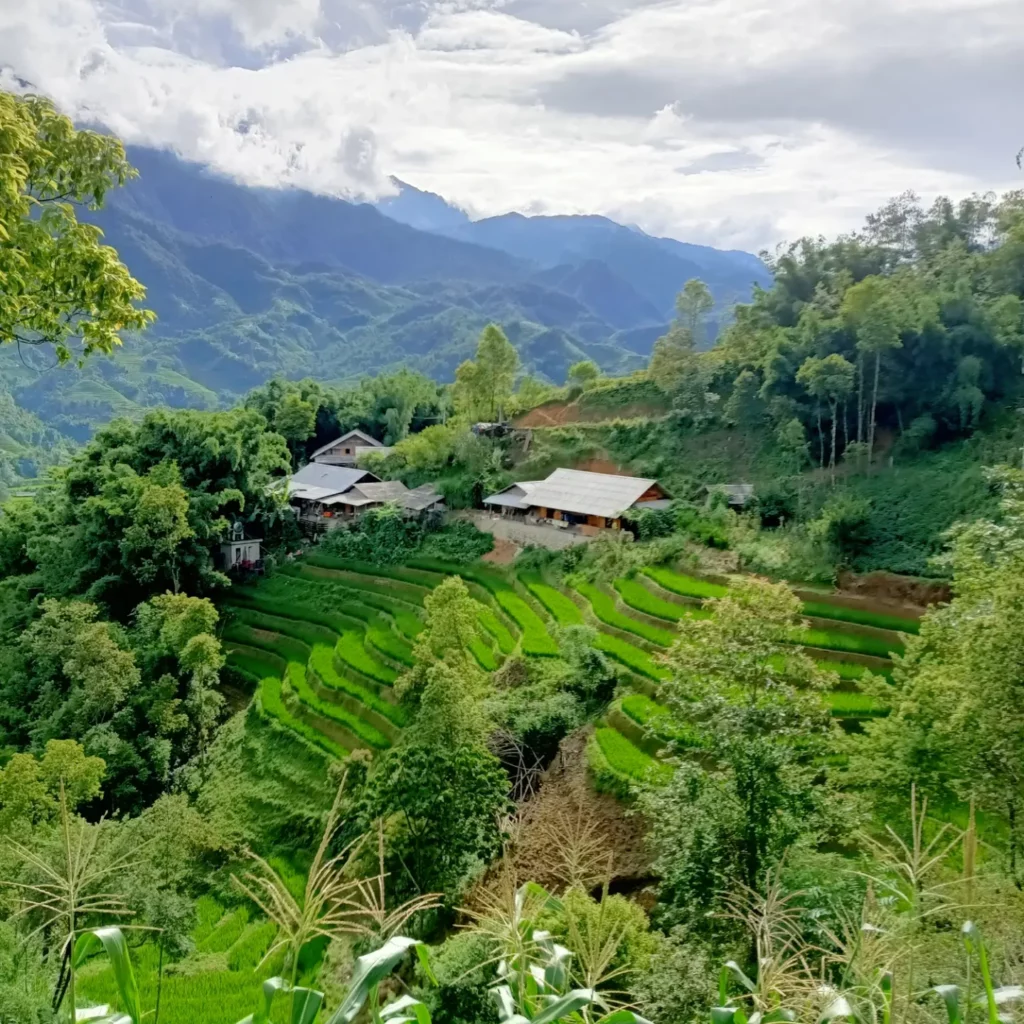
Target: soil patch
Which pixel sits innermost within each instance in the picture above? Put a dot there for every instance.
(561, 414)
(503, 553)
(887, 589)
(566, 796)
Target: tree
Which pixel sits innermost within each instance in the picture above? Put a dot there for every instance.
(30, 786)
(829, 379)
(754, 705)
(956, 729)
(693, 304)
(483, 387)
(446, 684)
(61, 285)
(583, 374)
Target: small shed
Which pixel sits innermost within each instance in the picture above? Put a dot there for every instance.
(239, 551)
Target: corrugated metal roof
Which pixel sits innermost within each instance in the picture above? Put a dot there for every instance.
(387, 490)
(589, 494)
(317, 481)
(422, 497)
(369, 442)
(515, 495)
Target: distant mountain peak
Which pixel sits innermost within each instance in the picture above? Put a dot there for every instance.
(426, 211)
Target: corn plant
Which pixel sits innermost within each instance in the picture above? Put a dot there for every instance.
(363, 991)
(112, 942)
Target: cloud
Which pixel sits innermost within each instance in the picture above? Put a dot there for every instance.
(729, 122)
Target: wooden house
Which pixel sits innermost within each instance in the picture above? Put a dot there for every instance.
(347, 449)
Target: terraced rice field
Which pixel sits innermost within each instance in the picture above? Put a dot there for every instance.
(325, 639)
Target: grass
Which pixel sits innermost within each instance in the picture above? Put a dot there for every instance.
(686, 586)
(605, 609)
(272, 705)
(561, 607)
(208, 914)
(490, 622)
(849, 642)
(628, 760)
(855, 705)
(644, 710)
(860, 617)
(255, 631)
(351, 651)
(227, 932)
(301, 688)
(632, 657)
(483, 654)
(252, 945)
(255, 662)
(322, 663)
(637, 596)
(401, 574)
(360, 583)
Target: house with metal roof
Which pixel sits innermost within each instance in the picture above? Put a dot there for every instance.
(576, 497)
(347, 449)
(325, 496)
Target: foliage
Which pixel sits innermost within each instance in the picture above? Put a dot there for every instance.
(483, 386)
(61, 285)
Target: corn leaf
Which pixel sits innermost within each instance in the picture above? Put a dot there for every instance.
(112, 941)
(371, 969)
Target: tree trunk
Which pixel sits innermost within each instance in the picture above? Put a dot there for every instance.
(874, 408)
(1012, 821)
(835, 424)
(821, 442)
(846, 425)
(860, 397)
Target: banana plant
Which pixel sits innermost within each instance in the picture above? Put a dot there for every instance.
(538, 992)
(371, 970)
(112, 942)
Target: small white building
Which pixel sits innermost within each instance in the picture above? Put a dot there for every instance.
(239, 551)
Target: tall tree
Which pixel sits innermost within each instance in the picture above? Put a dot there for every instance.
(828, 379)
(61, 285)
(483, 386)
(693, 304)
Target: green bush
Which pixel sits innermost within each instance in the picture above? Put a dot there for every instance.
(307, 696)
(459, 541)
(605, 610)
(632, 657)
(322, 663)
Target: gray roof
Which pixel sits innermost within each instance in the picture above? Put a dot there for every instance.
(514, 496)
(387, 490)
(421, 497)
(658, 505)
(318, 481)
(737, 494)
(367, 442)
(589, 494)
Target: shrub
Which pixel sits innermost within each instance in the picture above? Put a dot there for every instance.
(459, 541)
(605, 610)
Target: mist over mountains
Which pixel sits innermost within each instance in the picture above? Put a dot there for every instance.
(248, 283)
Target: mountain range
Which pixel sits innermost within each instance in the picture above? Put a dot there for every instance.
(252, 282)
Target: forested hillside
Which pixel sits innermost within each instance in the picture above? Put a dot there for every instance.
(400, 769)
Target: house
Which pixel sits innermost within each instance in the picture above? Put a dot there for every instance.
(314, 491)
(574, 497)
(736, 495)
(347, 449)
(326, 496)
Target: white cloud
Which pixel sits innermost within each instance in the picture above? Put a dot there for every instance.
(731, 122)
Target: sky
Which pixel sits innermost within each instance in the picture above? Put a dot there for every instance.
(735, 123)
